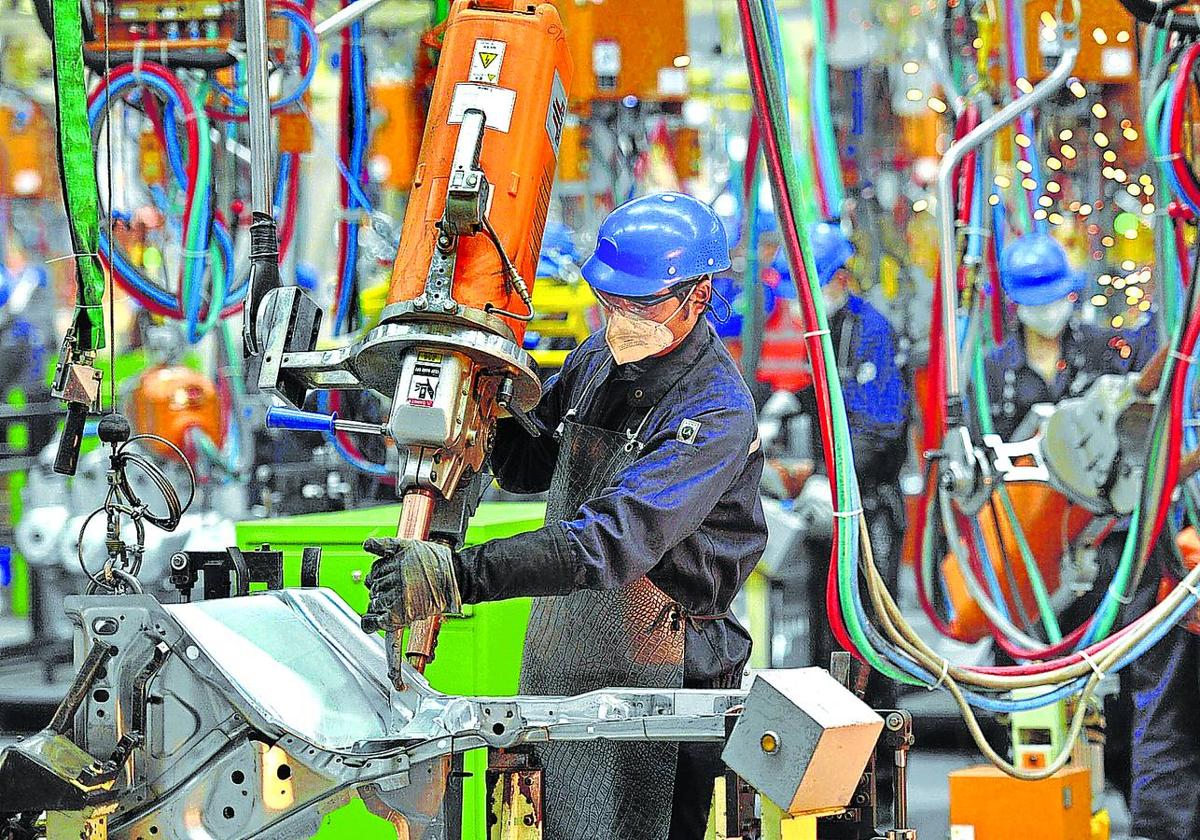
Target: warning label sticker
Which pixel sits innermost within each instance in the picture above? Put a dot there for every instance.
(556, 114)
(422, 388)
(487, 60)
(497, 104)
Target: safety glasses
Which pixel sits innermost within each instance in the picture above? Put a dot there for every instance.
(644, 307)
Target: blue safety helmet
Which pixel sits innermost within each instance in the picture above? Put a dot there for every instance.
(786, 288)
(654, 242)
(832, 249)
(557, 246)
(1034, 270)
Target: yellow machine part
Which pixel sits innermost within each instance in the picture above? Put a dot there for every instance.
(561, 310)
(643, 56)
(1107, 41)
(776, 825)
(573, 158)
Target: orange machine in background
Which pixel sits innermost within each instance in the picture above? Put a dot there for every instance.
(397, 139)
(614, 60)
(170, 401)
(26, 171)
(1050, 524)
(503, 65)
(987, 804)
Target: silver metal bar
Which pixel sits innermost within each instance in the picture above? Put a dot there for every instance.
(259, 110)
(345, 16)
(945, 190)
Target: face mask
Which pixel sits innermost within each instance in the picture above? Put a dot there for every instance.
(835, 297)
(1048, 319)
(631, 339)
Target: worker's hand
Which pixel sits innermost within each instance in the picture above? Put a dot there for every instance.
(785, 478)
(411, 580)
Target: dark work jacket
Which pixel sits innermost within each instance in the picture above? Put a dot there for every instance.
(873, 389)
(1013, 387)
(686, 514)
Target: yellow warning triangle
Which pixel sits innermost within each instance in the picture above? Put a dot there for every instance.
(487, 58)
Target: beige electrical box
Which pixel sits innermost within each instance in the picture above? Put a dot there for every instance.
(803, 740)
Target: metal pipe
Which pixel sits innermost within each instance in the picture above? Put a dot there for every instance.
(343, 17)
(259, 106)
(945, 190)
(416, 514)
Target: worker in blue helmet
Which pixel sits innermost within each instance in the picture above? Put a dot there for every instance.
(647, 443)
(1050, 357)
(874, 390)
(877, 402)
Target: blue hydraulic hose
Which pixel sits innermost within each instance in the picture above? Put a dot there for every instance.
(358, 106)
(307, 32)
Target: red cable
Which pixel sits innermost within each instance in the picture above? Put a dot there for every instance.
(1177, 100)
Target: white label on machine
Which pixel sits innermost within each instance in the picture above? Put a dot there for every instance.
(606, 58)
(497, 104)
(422, 388)
(962, 832)
(556, 114)
(672, 81)
(1116, 62)
(486, 60)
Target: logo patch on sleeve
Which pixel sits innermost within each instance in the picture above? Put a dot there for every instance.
(688, 429)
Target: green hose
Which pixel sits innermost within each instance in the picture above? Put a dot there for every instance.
(1040, 594)
(806, 201)
(77, 166)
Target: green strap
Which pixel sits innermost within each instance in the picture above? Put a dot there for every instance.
(77, 165)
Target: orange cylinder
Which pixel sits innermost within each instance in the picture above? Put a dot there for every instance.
(1050, 523)
(171, 401)
(516, 67)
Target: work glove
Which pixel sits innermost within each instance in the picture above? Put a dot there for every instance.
(411, 580)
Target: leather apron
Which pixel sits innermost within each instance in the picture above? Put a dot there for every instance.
(631, 637)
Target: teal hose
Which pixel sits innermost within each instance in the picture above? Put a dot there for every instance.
(831, 165)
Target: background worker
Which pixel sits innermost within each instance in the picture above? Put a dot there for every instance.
(877, 404)
(648, 446)
(1051, 357)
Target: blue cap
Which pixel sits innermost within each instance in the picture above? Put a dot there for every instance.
(831, 249)
(1034, 270)
(654, 242)
(558, 246)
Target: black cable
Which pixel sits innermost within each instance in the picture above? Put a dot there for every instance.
(1159, 14)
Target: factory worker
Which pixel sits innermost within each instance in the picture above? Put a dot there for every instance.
(1051, 357)
(877, 402)
(648, 447)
